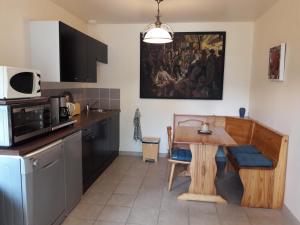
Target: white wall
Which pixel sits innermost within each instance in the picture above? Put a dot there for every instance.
(14, 17)
(123, 71)
(277, 103)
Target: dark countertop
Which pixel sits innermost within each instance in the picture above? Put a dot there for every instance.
(84, 121)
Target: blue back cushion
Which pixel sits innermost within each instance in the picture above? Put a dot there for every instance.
(248, 149)
(182, 154)
(253, 160)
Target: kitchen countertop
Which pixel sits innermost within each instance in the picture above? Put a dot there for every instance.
(84, 120)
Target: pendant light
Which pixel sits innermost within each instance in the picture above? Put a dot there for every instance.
(158, 33)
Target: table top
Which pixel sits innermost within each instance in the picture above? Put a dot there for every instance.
(189, 135)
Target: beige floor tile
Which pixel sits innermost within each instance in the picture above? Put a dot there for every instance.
(75, 221)
(121, 169)
(232, 214)
(127, 159)
(143, 216)
(96, 198)
(173, 218)
(111, 177)
(264, 216)
(154, 188)
(121, 200)
(156, 171)
(196, 208)
(170, 201)
(133, 171)
(128, 188)
(235, 222)
(101, 186)
(204, 219)
(114, 214)
(115, 170)
(136, 179)
(153, 182)
(86, 211)
(139, 167)
(148, 199)
(107, 223)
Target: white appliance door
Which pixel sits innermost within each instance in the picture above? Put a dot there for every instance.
(22, 83)
(45, 186)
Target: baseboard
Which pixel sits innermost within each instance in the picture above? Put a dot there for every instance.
(128, 153)
(140, 154)
(289, 214)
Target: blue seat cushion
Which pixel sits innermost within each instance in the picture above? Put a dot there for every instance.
(253, 160)
(245, 149)
(182, 154)
(220, 156)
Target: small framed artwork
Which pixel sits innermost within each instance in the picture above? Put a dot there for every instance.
(277, 62)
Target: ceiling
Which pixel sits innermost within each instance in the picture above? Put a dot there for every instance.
(143, 11)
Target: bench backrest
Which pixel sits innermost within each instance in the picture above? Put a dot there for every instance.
(246, 131)
(239, 129)
(268, 141)
(196, 120)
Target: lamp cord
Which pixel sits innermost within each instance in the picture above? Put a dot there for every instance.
(158, 9)
(158, 23)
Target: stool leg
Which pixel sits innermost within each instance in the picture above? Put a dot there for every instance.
(171, 176)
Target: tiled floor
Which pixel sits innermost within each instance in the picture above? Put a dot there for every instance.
(131, 192)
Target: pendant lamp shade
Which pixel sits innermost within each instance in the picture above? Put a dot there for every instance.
(158, 33)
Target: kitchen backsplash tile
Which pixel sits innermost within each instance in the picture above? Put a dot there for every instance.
(104, 93)
(114, 94)
(104, 98)
(114, 104)
(104, 103)
(92, 93)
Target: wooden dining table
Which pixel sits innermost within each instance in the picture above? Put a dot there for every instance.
(203, 166)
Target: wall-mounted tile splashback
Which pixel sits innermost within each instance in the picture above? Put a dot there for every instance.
(104, 98)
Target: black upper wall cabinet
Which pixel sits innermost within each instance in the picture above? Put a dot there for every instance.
(63, 53)
(79, 54)
(91, 59)
(73, 54)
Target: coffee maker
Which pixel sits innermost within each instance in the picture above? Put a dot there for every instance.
(59, 110)
(64, 113)
(60, 115)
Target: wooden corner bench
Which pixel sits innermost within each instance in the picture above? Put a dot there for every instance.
(263, 185)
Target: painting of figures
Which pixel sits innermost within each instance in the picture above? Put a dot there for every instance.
(277, 62)
(191, 67)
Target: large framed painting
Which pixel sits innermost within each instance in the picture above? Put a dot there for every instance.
(191, 67)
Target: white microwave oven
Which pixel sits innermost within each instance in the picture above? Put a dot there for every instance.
(19, 83)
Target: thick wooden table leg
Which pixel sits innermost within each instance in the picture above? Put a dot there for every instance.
(203, 171)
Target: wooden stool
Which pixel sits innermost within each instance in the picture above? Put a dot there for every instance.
(150, 148)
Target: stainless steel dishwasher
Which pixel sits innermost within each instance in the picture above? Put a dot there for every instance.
(43, 181)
